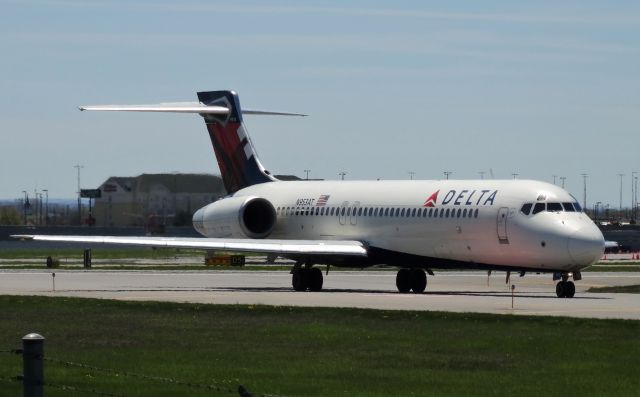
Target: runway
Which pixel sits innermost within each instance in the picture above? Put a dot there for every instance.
(447, 291)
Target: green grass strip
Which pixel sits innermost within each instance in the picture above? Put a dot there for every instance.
(625, 289)
(317, 351)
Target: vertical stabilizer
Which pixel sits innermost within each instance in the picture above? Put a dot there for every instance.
(237, 159)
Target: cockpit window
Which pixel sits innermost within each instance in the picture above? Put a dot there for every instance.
(550, 207)
(576, 205)
(539, 207)
(555, 207)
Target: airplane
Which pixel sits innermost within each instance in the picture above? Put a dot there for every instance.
(417, 226)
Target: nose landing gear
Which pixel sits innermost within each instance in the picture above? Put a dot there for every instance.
(566, 288)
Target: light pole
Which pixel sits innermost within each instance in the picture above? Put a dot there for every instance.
(25, 206)
(635, 198)
(620, 209)
(515, 175)
(411, 174)
(46, 207)
(39, 208)
(79, 167)
(563, 178)
(481, 174)
(634, 193)
(584, 192)
(307, 172)
(554, 179)
(342, 174)
(447, 173)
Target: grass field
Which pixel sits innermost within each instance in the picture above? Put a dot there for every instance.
(624, 289)
(317, 352)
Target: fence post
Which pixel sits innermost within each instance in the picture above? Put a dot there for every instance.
(33, 373)
(86, 258)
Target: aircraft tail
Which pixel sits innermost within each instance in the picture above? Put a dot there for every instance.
(236, 156)
(237, 159)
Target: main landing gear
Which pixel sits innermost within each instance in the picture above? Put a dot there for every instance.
(411, 280)
(306, 278)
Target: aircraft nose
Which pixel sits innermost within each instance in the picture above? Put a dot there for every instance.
(586, 245)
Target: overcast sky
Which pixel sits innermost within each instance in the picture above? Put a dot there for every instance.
(537, 88)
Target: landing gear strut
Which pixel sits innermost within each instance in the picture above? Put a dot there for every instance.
(411, 280)
(306, 278)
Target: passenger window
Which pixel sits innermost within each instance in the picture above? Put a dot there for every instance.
(568, 207)
(554, 207)
(539, 207)
(446, 215)
(459, 212)
(464, 213)
(413, 212)
(375, 212)
(430, 212)
(322, 211)
(526, 208)
(402, 212)
(476, 213)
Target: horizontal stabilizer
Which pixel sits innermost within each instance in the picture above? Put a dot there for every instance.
(305, 247)
(181, 107)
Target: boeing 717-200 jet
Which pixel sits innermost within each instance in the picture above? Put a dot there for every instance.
(417, 226)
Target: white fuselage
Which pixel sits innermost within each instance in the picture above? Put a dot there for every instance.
(474, 222)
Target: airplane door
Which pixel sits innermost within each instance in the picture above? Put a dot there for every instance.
(354, 213)
(342, 215)
(503, 214)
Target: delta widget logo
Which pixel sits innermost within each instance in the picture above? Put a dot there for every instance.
(431, 201)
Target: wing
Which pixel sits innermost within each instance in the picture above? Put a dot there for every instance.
(306, 247)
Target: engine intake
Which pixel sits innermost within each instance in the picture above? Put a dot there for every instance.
(253, 217)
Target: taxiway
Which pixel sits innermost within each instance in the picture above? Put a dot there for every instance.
(447, 291)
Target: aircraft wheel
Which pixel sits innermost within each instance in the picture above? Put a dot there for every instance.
(298, 279)
(560, 290)
(314, 279)
(403, 280)
(418, 281)
(569, 289)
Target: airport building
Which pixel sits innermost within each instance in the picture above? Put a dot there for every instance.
(154, 199)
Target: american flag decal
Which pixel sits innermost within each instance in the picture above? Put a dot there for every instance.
(322, 200)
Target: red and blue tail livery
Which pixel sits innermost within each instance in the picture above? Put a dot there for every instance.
(237, 159)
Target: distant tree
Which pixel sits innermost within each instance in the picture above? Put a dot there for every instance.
(10, 216)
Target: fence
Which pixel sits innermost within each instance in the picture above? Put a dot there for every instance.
(34, 384)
